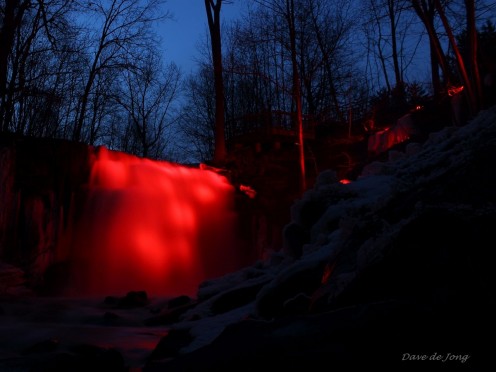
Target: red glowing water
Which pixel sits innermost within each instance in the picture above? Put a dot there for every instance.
(153, 226)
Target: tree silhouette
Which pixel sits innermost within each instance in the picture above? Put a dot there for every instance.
(213, 9)
(13, 13)
(125, 29)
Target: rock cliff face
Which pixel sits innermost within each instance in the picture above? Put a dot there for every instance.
(392, 270)
(41, 188)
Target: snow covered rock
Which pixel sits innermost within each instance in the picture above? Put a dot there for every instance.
(386, 264)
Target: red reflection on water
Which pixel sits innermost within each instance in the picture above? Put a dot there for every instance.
(152, 226)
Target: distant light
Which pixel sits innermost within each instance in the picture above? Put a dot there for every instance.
(452, 91)
(248, 190)
(344, 181)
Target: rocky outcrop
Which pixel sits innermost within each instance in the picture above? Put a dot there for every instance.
(395, 263)
(41, 188)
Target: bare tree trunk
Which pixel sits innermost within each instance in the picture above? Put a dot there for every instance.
(436, 79)
(213, 15)
(290, 17)
(384, 68)
(76, 135)
(125, 25)
(426, 15)
(327, 63)
(12, 17)
(382, 58)
(394, 44)
(473, 46)
(459, 58)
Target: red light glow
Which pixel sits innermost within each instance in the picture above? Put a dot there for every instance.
(453, 91)
(383, 140)
(152, 226)
(248, 190)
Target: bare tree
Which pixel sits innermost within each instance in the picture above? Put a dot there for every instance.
(287, 11)
(473, 52)
(146, 95)
(426, 10)
(197, 119)
(390, 29)
(329, 34)
(459, 58)
(213, 9)
(124, 30)
(377, 42)
(13, 13)
(290, 16)
(257, 65)
(34, 69)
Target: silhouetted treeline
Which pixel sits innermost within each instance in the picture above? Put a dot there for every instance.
(355, 61)
(87, 71)
(91, 71)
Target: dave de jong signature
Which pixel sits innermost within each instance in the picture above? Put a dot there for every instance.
(462, 358)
